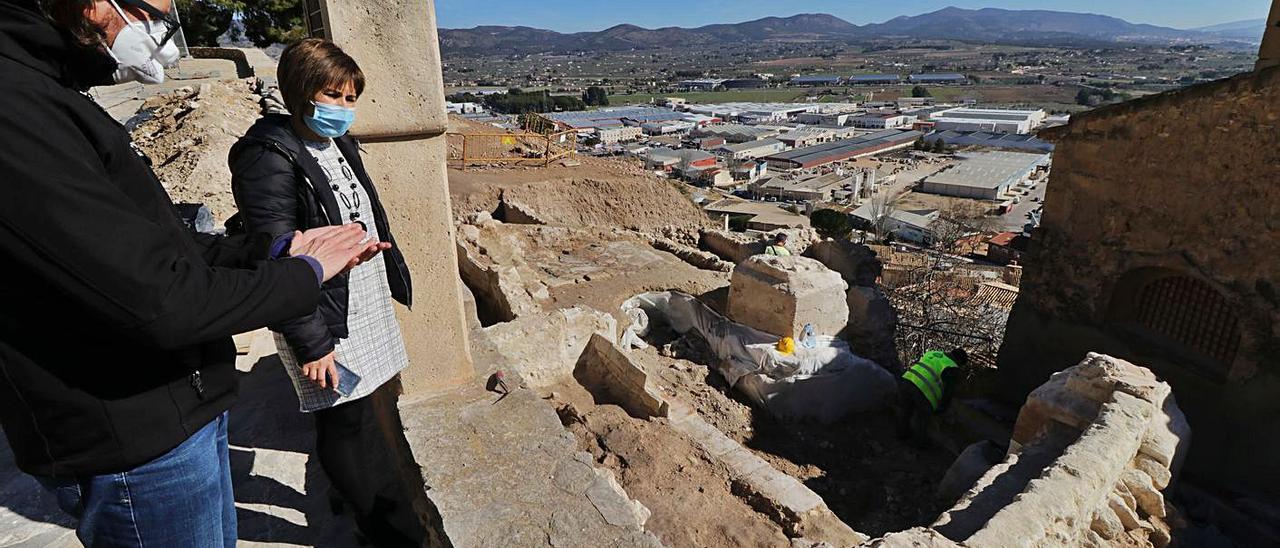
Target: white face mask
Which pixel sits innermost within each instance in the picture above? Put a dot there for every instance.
(138, 54)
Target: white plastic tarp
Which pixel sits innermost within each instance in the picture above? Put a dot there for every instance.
(823, 383)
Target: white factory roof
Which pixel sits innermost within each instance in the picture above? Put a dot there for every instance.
(988, 169)
(749, 145)
(988, 114)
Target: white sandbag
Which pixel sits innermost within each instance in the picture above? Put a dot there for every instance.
(822, 383)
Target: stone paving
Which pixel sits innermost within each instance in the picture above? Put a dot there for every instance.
(505, 472)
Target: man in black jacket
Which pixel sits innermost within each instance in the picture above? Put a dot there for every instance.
(116, 362)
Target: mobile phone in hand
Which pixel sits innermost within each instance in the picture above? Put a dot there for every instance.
(347, 380)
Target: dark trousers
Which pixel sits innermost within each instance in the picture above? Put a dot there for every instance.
(913, 413)
(356, 451)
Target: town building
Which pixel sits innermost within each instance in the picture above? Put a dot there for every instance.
(990, 140)
(705, 84)
(845, 149)
(938, 78)
(744, 83)
(588, 120)
(761, 216)
(988, 119)
(789, 187)
(823, 118)
(804, 137)
(750, 150)
(1007, 247)
(881, 120)
(620, 134)
(666, 127)
(666, 159)
(913, 102)
(735, 133)
(753, 112)
(463, 108)
(984, 175)
(749, 171)
(816, 80)
(707, 143)
(874, 79)
(906, 226)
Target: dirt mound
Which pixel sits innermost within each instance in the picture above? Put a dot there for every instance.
(641, 204)
(188, 134)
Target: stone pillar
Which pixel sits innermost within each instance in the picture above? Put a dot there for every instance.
(401, 125)
(1269, 55)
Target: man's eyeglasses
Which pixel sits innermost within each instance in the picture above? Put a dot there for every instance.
(170, 22)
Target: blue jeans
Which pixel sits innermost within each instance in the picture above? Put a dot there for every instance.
(181, 499)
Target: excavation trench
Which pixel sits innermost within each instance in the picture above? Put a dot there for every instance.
(870, 480)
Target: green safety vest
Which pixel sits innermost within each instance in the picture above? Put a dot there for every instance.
(926, 374)
(777, 250)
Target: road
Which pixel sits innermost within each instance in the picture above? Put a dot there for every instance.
(1015, 219)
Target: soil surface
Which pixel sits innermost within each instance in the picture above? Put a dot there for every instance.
(871, 480)
(691, 498)
(188, 134)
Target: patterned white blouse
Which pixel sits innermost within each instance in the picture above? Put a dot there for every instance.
(374, 348)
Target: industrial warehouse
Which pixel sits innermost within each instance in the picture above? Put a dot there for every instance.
(985, 175)
(846, 149)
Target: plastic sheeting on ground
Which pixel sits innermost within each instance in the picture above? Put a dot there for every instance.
(822, 383)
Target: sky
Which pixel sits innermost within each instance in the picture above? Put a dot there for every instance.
(584, 15)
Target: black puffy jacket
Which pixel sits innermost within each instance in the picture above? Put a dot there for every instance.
(116, 322)
(279, 187)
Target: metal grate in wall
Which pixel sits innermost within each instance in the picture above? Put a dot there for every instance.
(1189, 312)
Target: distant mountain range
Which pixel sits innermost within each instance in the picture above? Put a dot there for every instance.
(984, 25)
(1250, 30)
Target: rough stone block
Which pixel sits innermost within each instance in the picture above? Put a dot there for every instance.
(606, 371)
(1149, 499)
(545, 348)
(1127, 516)
(611, 500)
(1106, 524)
(872, 325)
(920, 537)
(964, 473)
(1158, 473)
(779, 295)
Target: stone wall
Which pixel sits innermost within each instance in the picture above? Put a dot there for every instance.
(1092, 451)
(1176, 188)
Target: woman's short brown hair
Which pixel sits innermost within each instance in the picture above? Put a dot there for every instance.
(308, 66)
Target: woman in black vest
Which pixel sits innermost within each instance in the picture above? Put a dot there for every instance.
(301, 170)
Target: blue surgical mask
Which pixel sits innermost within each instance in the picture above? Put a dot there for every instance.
(330, 120)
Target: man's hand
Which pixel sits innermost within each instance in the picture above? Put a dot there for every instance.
(323, 372)
(337, 248)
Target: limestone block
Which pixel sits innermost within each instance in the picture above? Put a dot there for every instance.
(1106, 524)
(779, 295)
(1168, 438)
(613, 503)
(872, 325)
(1053, 401)
(1127, 516)
(919, 537)
(857, 263)
(1158, 473)
(1140, 485)
(737, 247)
(605, 370)
(964, 473)
(545, 348)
